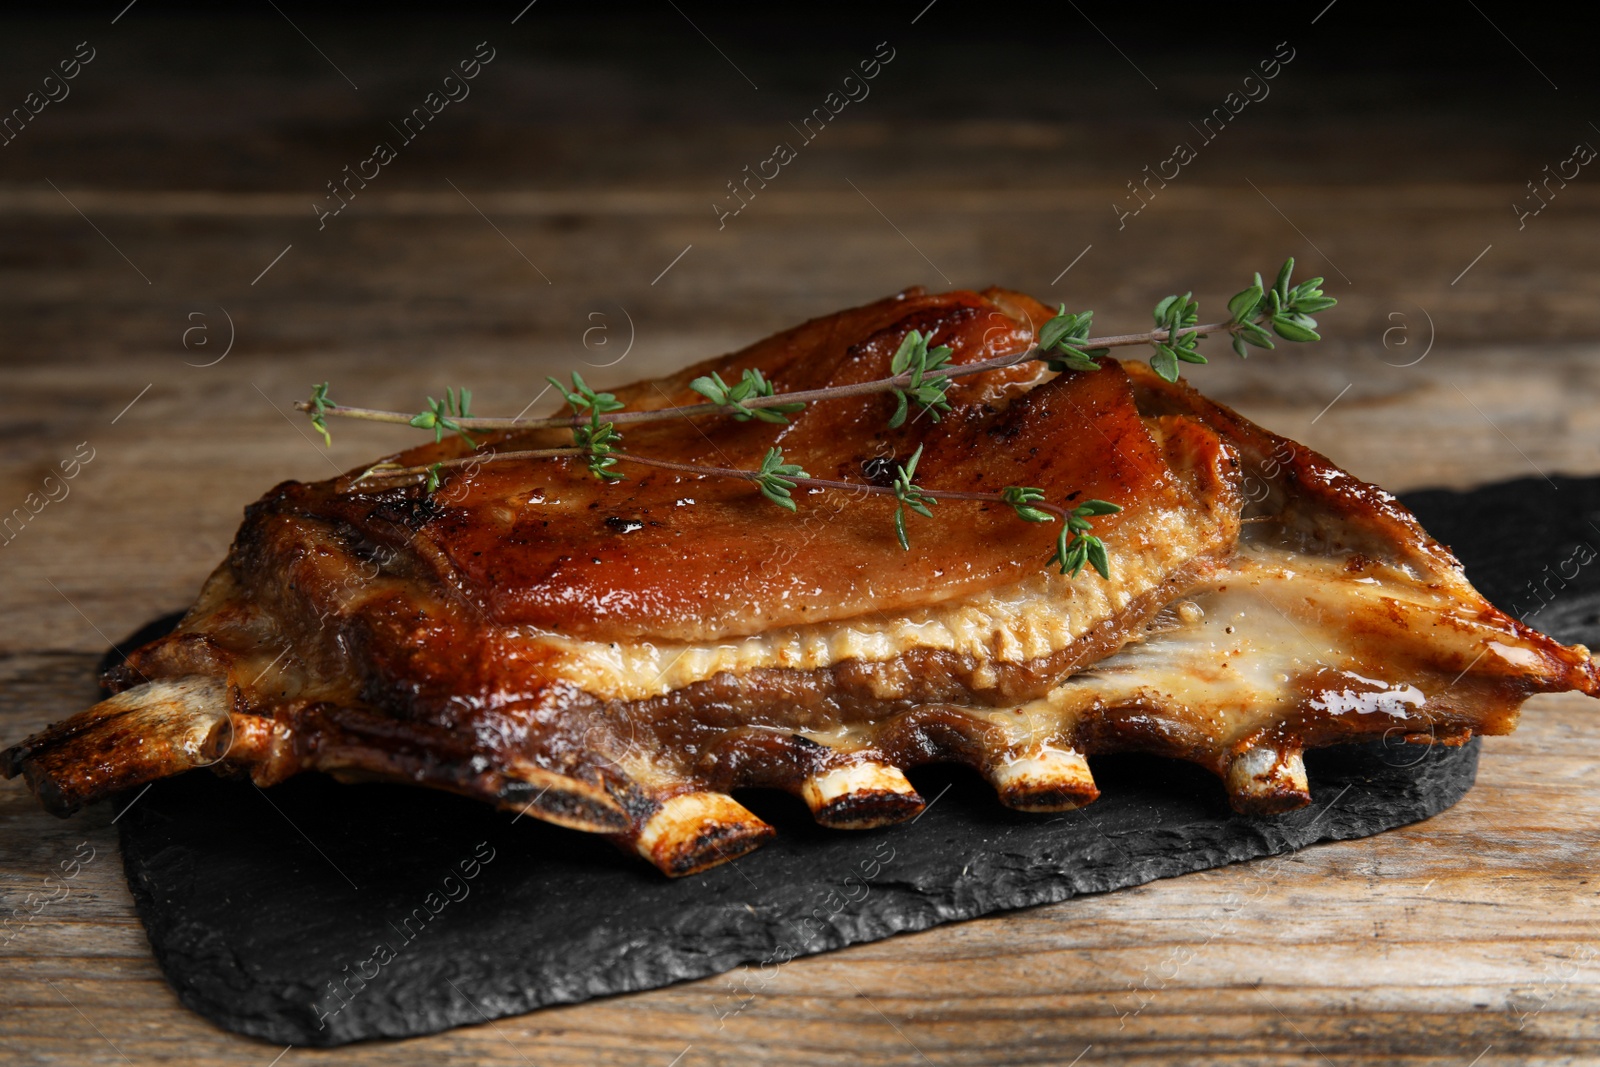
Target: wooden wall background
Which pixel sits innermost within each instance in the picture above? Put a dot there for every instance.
(163, 209)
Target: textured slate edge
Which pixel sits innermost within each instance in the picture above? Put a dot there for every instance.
(706, 925)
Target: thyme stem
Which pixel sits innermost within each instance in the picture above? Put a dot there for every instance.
(803, 396)
(573, 452)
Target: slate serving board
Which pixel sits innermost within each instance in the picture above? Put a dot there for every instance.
(320, 914)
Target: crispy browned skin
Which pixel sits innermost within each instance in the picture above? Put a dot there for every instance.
(617, 657)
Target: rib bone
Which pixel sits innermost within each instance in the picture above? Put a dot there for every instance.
(155, 729)
(1265, 779)
(1047, 779)
(693, 831)
(860, 795)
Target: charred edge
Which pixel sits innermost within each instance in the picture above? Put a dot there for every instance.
(1048, 796)
(864, 811)
(859, 795)
(152, 731)
(1046, 780)
(694, 831)
(713, 846)
(12, 759)
(566, 803)
(1266, 780)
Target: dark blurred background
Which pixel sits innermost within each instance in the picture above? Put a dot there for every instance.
(565, 215)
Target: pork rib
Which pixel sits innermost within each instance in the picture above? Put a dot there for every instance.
(617, 658)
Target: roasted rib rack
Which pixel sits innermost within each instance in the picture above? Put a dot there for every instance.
(617, 658)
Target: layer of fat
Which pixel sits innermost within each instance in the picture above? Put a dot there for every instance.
(1269, 631)
(1240, 655)
(1028, 620)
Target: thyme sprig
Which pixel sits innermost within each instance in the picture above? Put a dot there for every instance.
(920, 374)
(584, 399)
(319, 406)
(925, 386)
(1084, 547)
(1067, 335)
(1065, 343)
(752, 385)
(598, 439)
(909, 495)
(1177, 314)
(777, 478)
(1288, 310)
(440, 415)
(1062, 343)
(1022, 498)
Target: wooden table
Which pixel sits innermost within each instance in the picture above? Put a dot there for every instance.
(172, 295)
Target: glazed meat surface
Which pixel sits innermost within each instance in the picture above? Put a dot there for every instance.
(617, 657)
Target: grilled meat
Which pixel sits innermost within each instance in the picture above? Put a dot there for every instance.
(618, 657)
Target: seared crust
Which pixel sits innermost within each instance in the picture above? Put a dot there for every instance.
(616, 658)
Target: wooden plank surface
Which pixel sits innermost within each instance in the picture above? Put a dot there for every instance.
(158, 198)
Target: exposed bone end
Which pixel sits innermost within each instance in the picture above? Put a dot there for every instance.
(556, 798)
(1586, 672)
(1265, 780)
(694, 831)
(1046, 779)
(264, 745)
(861, 795)
(147, 732)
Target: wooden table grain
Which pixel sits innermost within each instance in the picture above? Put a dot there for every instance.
(166, 292)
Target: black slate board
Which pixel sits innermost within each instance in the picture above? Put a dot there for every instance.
(320, 914)
(1531, 546)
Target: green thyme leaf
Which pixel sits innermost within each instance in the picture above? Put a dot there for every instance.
(582, 398)
(1066, 335)
(775, 478)
(1052, 332)
(1084, 548)
(1096, 552)
(1281, 286)
(598, 439)
(1253, 334)
(1021, 497)
(899, 417)
(1176, 314)
(1165, 363)
(1244, 304)
(1293, 329)
(1075, 359)
(909, 496)
(440, 416)
(713, 388)
(320, 403)
(750, 386)
(926, 387)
